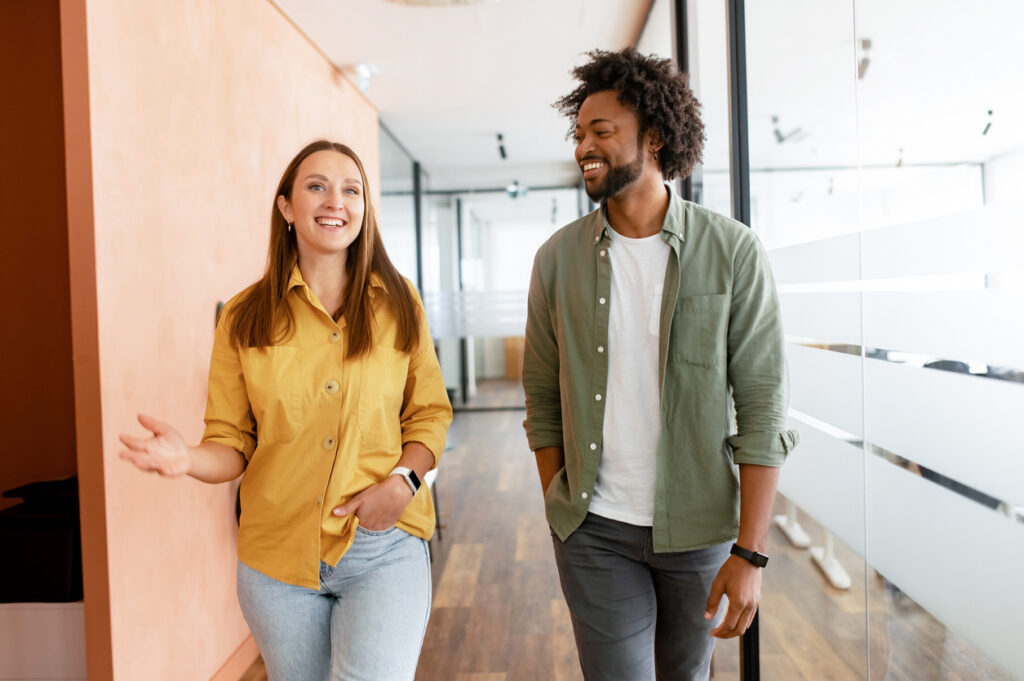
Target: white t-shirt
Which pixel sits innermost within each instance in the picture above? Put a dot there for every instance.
(625, 485)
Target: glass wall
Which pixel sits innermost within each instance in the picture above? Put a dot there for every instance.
(397, 209)
(886, 152)
(708, 61)
(487, 240)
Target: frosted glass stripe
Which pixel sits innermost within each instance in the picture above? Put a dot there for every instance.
(833, 259)
(982, 326)
(834, 317)
(824, 476)
(957, 559)
(986, 240)
(827, 386)
(476, 313)
(952, 423)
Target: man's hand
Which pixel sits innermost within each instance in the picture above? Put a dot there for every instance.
(741, 582)
(378, 506)
(549, 461)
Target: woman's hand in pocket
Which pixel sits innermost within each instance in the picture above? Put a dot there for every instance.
(379, 506)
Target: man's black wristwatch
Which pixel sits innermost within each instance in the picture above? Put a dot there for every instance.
(755, 558)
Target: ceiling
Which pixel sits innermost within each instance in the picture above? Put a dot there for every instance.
(449, 79)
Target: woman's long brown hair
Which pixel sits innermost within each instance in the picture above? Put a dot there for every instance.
(262, 316)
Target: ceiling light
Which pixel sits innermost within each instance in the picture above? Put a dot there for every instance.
(516, 190)
(364, 72)
(865, 61)
(794, 135)
(501, 147)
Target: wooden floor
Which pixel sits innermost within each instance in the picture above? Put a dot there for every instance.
(498, 612)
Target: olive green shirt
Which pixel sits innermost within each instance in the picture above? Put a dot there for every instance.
(721, 367)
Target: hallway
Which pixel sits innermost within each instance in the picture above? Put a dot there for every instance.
(498, 613)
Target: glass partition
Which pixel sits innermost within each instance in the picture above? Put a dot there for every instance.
(480, 313)
(397, 210)
(708, 62)
(941, 108)
(886, 148)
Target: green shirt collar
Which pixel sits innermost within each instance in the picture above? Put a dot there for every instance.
(673, 229)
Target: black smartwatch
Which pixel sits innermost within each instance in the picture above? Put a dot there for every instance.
(755, 558)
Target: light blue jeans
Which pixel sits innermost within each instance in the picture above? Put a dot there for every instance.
(366, 623)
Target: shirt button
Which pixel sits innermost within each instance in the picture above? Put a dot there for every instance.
(334, 337)
(600, 348)
(583, 495)
(601, 300)
(329, 443)
(596, 239)
(331, 387)
(603, 252)
(597, 397)
(593, 446)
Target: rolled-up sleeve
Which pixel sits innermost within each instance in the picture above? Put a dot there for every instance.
(543, 422)
(229, 419)
(757, 362)
(426, 411)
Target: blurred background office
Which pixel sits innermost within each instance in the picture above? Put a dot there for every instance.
(875, 146)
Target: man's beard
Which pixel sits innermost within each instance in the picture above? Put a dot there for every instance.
(616, 178)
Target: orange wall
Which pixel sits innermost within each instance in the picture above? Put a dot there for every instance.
(37, 407)
(195, 109)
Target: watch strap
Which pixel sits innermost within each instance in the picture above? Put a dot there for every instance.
(410, 476)
(753, 557)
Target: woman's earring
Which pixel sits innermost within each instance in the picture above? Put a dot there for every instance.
(289, 226)
(654, 154)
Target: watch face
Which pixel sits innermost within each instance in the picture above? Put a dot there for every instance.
(415, 479)
(758, 559)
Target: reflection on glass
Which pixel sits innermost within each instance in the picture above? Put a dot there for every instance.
(942, 141)
(709, 79)
(479, 251)
(885, 174)
(396, 215)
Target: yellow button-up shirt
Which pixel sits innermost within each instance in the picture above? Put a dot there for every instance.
(317, 428)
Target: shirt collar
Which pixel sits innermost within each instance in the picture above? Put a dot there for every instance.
(672, 229)
(297, 280)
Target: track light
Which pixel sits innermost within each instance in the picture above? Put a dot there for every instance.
(794, 135)
(865, 61)
(516, 190)
(501, 147)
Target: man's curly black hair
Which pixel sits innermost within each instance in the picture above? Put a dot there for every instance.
(658, 94)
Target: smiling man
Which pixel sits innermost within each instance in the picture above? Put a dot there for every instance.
(651, 321)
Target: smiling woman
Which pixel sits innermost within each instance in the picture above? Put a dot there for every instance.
(325, 391)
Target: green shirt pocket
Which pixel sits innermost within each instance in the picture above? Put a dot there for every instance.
(699, 330)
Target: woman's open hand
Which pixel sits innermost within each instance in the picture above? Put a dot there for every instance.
(165, 452)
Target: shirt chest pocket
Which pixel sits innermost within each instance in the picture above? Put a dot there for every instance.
(277, 395)
(381, 392)
(699, 330)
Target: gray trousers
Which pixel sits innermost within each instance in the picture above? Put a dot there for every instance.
(637, 615)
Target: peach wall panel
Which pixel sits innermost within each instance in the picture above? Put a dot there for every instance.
(196, 107)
